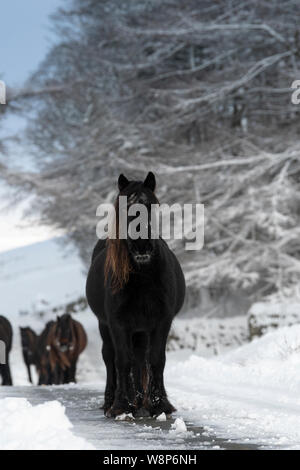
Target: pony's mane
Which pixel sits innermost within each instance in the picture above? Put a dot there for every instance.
(117, 261)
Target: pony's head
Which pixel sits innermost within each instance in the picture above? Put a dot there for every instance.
(64, 333)
(135, 251)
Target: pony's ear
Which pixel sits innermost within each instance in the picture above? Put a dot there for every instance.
(122, 182)
(150, 181)
(57, 317)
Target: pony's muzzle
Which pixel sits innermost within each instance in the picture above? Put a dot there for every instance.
(145, 258)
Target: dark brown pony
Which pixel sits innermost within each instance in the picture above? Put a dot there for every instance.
(6, 334)
(29, 341)
(47, 361)
(70, 342)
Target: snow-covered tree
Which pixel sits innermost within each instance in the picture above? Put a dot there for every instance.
(198, 92)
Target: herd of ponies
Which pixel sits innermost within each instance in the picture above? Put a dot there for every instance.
(54, 353)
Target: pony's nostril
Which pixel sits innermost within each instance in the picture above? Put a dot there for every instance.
(142, 258)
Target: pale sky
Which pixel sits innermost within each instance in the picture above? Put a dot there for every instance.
(25, 37)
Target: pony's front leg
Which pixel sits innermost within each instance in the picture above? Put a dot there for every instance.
(29, 372)
(123, 400)
(73, 371)
(141, 373)
(159, 402)
(6, 376)
(108, 354)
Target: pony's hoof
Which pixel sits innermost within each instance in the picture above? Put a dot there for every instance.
(117, 410)
(142, 413)
(163, 406)
(105, 407)
(109, 413)
(117, 413)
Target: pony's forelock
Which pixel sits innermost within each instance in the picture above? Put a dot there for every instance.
(117, 262)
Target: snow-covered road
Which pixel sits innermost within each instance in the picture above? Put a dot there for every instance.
(82, 407)
(229, 393)
(245, 398)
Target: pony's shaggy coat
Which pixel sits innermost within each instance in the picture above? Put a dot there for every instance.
(135, 303)
(58, 349)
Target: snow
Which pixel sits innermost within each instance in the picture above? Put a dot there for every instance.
(267, 316)
(179, 426)
(38, 276)
(162, 417)
(208, 336)
(276, 308)
(124, 417)
(218, 381)
(250, 394)
(41, 427)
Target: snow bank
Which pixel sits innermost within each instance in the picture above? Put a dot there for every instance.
(41, 427)
(208, 336)
(251, 393)
(267, 316)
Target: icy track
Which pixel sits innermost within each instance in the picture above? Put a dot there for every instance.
(247, 398)
(70, 418)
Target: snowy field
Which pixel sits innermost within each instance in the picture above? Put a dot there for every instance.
(38, 276)
(247, 393)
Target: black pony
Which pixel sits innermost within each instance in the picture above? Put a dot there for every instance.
(135, 287)
(29, 341)
(6, 334)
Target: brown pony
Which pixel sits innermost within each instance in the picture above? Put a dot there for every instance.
(70, 342)
(45, 362)
(51, 363)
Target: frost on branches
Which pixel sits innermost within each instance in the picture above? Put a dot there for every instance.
(197, 92)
